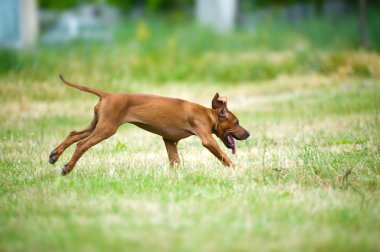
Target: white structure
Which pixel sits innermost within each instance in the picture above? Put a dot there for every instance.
(218, 14)
(88, 21)
(18, 22)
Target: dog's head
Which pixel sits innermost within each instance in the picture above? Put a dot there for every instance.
(227, 127)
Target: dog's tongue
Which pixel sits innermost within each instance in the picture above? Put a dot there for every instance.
(232, 141)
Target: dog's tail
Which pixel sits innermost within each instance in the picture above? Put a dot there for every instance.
(97, 92)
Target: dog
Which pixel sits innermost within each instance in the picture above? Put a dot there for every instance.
(173, 119)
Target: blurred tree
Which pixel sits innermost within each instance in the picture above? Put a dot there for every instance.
(362, 24)
(164, 5)
(58, 5)
(152, 5)
(318, 6)
(125, 5)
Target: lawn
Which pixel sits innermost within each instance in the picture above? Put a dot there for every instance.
(307, 178)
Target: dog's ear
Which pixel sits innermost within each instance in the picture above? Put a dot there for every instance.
(222, 112)
(219, 101)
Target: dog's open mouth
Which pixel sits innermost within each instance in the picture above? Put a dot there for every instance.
(231, 143)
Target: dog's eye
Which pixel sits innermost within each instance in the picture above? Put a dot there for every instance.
(237, 122)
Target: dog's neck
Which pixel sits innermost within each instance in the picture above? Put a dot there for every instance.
(215, 122)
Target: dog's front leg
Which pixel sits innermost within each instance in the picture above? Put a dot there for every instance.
(210, 143)
(171, 148)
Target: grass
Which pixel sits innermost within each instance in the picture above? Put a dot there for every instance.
(308, 177)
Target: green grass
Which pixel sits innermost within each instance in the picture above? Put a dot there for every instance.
(308, 177)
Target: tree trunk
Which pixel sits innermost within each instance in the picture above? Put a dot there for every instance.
(362, 24)
(318, 7)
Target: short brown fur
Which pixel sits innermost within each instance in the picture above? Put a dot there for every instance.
(173, 119)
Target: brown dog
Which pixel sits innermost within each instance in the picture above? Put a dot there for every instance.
(173, 119)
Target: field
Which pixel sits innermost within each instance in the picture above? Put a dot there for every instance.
(308, 177)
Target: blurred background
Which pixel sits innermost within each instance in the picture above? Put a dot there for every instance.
(192, 41)
(302, 76)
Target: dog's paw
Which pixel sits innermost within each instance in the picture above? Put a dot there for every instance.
(64, 170)
(53, 157)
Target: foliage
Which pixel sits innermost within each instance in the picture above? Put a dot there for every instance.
(60, 5)
(157, 50)
(308, 176)
(151, 5)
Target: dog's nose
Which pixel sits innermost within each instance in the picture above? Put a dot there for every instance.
(247, 135)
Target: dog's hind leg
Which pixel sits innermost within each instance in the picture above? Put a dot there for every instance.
(102, 131)
(74, 137)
